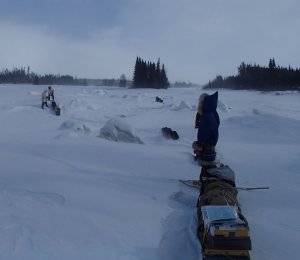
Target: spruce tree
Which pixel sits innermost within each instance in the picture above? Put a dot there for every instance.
(149, 75)
(164, 80)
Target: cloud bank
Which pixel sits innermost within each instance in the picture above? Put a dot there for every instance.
(196, 40)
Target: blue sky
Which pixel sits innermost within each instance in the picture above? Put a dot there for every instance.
(195, 39)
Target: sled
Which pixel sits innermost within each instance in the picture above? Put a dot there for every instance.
(224, 232)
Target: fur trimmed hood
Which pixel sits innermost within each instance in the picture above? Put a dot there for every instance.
(200, 103)
(210, 103)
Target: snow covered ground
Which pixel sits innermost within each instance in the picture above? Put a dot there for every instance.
(76, 187)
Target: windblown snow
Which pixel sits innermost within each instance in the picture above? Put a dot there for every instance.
(101, 182)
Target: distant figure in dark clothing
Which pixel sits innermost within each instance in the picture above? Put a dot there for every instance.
(207, 121)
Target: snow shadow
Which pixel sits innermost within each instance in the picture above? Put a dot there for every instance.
(259, 128)
(73, 128)
(179, 239)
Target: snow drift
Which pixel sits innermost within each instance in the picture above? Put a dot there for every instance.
(118, 130)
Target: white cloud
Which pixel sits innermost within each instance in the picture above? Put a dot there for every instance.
(98, 56)
(195, 39)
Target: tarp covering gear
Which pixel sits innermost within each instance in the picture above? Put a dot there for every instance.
(222, 228)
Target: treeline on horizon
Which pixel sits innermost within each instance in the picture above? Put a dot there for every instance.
(256, 77)
(149, 75)
(145, 75)
(25, 76)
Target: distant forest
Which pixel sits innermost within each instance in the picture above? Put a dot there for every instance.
(145, 75)
(149, 75)
(25, 76)
(256, 77)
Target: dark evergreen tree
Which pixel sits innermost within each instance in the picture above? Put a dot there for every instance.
(272, 64)
(164, 80)
(149, 75)
(36, 80)
(254, 76)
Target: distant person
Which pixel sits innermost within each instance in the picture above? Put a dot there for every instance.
(207, 121)
(51, 93)
(45, 97)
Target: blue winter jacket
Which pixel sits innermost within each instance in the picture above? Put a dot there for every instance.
(208, 131)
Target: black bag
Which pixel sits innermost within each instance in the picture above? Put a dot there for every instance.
(169, 133)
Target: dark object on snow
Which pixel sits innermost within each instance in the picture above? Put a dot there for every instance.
(53, 104)
(169, 133)
(55, 108)
(158, 99)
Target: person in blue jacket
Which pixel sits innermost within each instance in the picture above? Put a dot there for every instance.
(207, 121)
